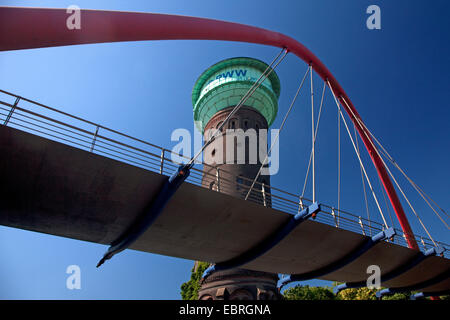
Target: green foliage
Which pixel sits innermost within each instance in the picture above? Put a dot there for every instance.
(367, 294)
(308, 293)
(357, 294)
(189, 289)
(326, 293)
(398, 296)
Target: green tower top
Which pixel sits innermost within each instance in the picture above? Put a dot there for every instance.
(226, 82)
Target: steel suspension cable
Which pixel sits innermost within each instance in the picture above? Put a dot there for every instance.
(315, 136)
(339, 164)
(313, 140)
(409, 203)
(379, 180)
(364, 184)
(359, 158)
(419, 191)
(252, 89)
(415, 186)
(278, 133)
(398, 186)
(385, 201)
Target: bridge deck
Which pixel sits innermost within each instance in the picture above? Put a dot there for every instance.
(57, 189)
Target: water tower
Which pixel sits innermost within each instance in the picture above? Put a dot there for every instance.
(232, 159)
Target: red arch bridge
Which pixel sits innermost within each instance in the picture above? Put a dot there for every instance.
(66, 176)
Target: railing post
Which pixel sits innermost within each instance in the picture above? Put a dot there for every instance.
(218, 179)
(300, 204)
(334, 217)
(161, 167)
(8, 117)
(362, 226)
(264, 194)
(404, 237)
(95, 138)
(423, 244)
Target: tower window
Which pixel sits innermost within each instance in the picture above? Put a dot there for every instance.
(245, 124)
(213, 152)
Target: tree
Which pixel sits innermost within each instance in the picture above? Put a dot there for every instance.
(308, 293)
(326, 293)
(189, 289)
(365, 293)
(398, 296)
(357, 294)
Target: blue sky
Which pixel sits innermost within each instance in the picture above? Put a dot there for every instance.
(397, 78)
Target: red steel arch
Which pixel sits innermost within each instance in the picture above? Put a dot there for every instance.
(27, 28)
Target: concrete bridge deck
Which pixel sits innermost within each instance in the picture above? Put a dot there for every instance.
(53, 188)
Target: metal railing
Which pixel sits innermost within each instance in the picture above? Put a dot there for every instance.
(27, 115)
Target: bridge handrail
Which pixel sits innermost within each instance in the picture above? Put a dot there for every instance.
(160, 160)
